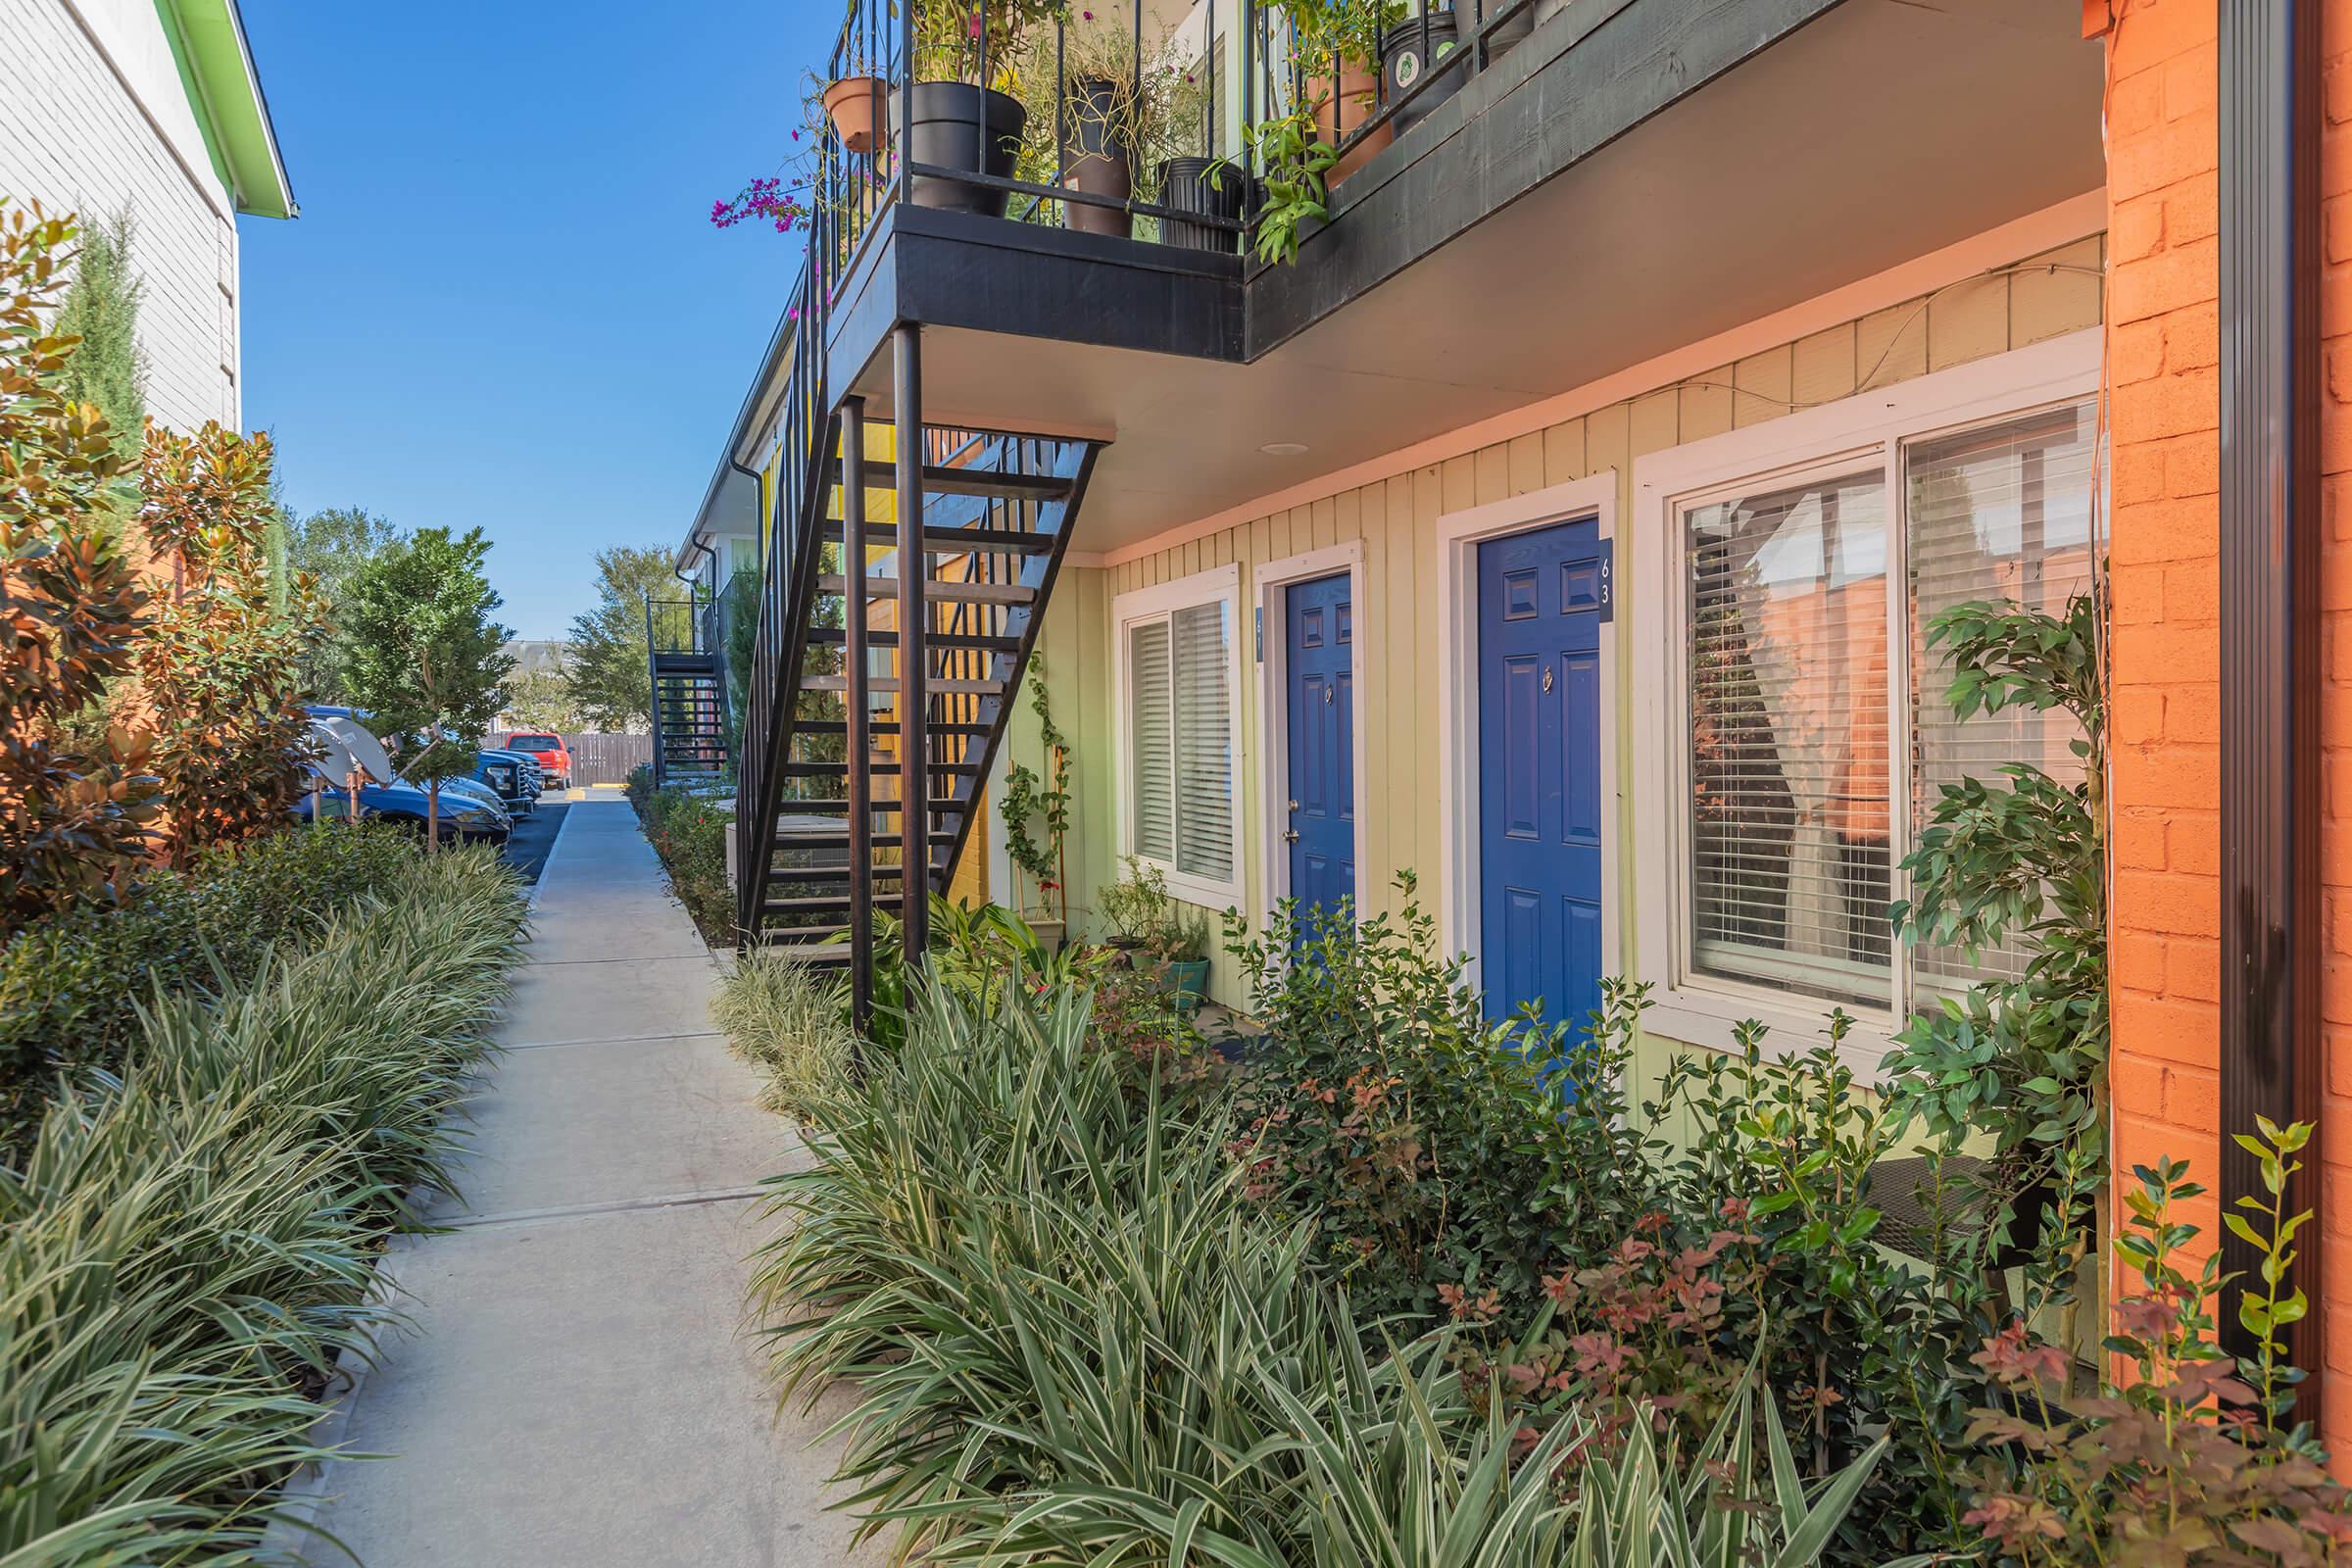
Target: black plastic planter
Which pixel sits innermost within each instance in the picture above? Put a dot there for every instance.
(1096, 158)
(1404, 63)
(967, 128)
(1189, 185)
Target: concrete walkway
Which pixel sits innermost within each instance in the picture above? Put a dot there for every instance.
(580, 1388)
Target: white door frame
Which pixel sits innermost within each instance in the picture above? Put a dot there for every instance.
(1459, 534)
(1270, 587)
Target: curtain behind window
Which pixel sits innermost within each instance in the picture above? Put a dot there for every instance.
(1203, 742)
(1150, 703)
(1789, 700)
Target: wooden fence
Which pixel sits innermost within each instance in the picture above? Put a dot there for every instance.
(602, 759)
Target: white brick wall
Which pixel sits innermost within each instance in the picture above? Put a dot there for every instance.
(92, 118)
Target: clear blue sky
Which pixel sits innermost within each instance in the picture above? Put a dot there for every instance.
(504, 302)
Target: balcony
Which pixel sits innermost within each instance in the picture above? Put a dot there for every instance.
(1614, 178)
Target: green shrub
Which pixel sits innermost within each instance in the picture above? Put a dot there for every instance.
(784, 1016)
(1437, 1154)
(72, 985)
(186, 1253)
(690, 835)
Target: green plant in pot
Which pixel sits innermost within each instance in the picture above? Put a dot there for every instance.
(1108, 123)
(1136, 906)
(1183, 943)
(956, 119)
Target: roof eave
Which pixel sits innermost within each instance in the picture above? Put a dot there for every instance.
(235, 110)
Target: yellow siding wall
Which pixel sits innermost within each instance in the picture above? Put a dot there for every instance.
(1397, 520)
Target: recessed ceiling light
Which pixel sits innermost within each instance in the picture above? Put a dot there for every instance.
(1283, 449)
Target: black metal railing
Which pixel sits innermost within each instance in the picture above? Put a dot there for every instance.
(675, 625)
(969, 150)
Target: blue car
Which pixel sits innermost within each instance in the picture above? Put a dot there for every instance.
(514, 776)
(461, 819)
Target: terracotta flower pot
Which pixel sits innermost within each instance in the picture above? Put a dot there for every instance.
(851, 103)
(1338, 111)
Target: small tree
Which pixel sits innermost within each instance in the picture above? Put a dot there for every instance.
(332, 545)
(610, 683)
(222, 671)
(541, 698)
(74, 817)
(425, 658)
(108, 369)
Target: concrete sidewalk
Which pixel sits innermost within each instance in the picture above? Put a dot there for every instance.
(581, 1387)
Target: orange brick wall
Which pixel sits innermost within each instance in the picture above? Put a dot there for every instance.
(2163, 285)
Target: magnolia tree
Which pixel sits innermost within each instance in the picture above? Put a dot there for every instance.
(425, 656)
(74, 807)
(222, 671)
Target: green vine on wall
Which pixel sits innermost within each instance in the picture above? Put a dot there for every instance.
(1030, 797)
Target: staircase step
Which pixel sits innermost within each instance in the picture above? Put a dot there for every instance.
(794, 768)
(884, 726)
(838, 636)
(951, 541)
(885, 685)
(965, 593)
(940, 804)
(798, 838)
(939, 479)
(833, 873)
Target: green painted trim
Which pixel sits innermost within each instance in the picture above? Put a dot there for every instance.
(208, 42)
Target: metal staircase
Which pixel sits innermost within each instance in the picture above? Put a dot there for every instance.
(684, 659)
(897, 617)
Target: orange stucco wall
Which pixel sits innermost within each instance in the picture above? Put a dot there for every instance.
(2163, 284)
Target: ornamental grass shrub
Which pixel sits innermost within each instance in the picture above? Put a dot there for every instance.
(1078, 1340)
(690, 835)
(785, 1017)
(73, 985)
(185, 1251)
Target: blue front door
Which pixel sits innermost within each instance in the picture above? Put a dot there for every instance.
(1321, 808)
(1539, 605)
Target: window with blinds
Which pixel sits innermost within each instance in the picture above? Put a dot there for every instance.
(2000, 512)
(1793, 837)
(1789, 785)
(1180, 727)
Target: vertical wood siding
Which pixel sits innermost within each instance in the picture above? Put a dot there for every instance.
(1396, 519)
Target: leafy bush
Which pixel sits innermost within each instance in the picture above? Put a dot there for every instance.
(785, 1017)
(690, 835)
(74, 813)
(185, 1255)
(1435, 1154)
(72, 985)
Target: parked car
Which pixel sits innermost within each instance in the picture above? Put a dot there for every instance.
(533, 777)
(548, 748)
(462, 818)
(514, 777)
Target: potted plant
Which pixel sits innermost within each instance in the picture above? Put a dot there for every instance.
(1409, 50)
(1115, 122)
(1041, 803)
(1136, 906)
(1184, 955)
(1336, 44)
(852, 104)
(955, 120)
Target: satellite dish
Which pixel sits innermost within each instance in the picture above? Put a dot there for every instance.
(349, 749)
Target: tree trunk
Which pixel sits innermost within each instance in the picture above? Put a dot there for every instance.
(432, 817)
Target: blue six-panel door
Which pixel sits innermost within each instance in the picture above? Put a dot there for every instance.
(1321, 809)
(1541, 596)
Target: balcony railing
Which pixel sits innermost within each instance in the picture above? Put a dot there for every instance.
(1052, 141)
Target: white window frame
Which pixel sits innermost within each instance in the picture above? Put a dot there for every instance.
(1269, 588)
(1221, 585)
(1462, 898)
(1850, 437)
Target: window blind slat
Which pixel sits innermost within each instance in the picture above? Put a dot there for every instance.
(1150, 701)
(2000, 512)
(1204, 743)
(1788, 717)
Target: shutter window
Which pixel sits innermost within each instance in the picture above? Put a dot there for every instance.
(1204, 743)
(1788, 685)
(1149, 700)
(2002, 513)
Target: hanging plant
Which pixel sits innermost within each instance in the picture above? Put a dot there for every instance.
(1031, 798)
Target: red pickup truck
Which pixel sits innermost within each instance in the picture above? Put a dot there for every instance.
(554, 756)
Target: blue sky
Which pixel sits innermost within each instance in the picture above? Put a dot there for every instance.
(504, 302)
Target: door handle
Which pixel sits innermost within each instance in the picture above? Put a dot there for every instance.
(1290, 836)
